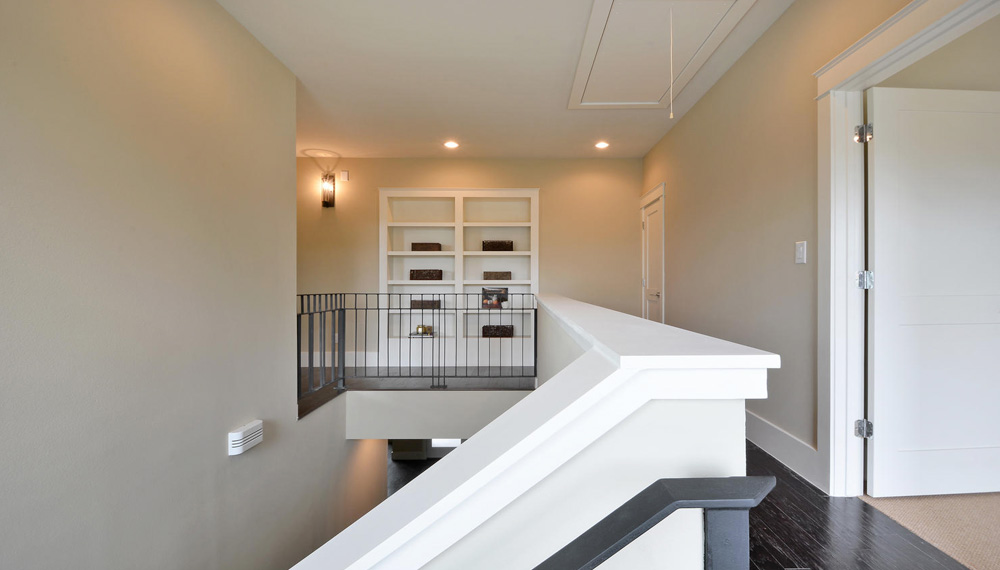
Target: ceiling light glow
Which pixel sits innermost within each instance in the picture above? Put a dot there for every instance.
(451, 144)
(602, 145)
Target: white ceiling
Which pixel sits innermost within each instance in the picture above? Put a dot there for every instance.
(396, 78)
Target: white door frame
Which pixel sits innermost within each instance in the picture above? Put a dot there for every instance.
(921, 27)
(657, 193)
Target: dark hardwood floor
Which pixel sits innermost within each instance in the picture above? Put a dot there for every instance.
(402, 472)
(797, 526)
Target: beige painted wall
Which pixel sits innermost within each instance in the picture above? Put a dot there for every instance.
(588, 209)
(969, 62)
(147, 270)
(740, 172)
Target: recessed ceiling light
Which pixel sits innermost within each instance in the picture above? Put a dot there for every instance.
(451, 144)
(602, 145)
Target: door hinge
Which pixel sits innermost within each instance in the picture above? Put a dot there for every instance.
(866, 280)
(644, 225)
(864, 133)
(864, 429)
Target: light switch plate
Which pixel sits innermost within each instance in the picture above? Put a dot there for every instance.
(345, 175)
(800, 252)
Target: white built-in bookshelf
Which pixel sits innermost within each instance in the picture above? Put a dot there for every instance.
(460, 220)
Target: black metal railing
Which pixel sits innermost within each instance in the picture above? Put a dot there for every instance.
(727, 502)
(319, 365)
(432, 336)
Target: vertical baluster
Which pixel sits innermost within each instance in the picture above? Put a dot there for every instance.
(298, 354)
(356, 339)
(489, 346)
(367, 324)
(399, 343)
(465, 325)
(342, 348)
(310, 352)
(520, 364)
(534, 336)
(409, 341)
(322, 348)
(479, 337)
(455, 304)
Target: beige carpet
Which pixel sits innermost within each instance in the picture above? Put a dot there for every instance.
(965, 527)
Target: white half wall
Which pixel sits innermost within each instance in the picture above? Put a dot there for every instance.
(424, 414)
(668, 379)
(654, 442)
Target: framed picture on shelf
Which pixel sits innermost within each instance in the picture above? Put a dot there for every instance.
(494, 297)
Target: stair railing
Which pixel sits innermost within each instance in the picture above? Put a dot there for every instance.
(726, 500)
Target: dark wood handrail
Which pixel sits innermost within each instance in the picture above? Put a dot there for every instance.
(727, 502)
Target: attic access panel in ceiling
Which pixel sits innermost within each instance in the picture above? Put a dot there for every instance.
(625, 60)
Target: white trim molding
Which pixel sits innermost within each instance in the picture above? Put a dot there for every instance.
(841, 318)
(915, 31)
(918, 29)
(794, 453)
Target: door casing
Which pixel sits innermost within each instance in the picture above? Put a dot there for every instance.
(657, 193)
(837, 465)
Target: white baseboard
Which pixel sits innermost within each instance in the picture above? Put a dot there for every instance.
(794, 453)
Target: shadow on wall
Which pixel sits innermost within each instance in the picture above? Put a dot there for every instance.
(364, 478)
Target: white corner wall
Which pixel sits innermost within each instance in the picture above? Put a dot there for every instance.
(147, 270)
(424, 414)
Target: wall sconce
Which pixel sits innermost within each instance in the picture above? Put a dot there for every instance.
(329, 189)
(329, 182)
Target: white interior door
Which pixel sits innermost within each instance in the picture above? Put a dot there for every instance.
(652, 255)
(934, 312)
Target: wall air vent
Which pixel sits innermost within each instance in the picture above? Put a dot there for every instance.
(246, 437)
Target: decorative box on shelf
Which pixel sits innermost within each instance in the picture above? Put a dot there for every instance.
(422, 331)
(426, 274)
(496, 275)
(425, 303)
(424, 246)
(498, 245)
(498, 331)
(494, 297)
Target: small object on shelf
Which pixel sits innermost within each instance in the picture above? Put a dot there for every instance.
(425, 303)
(426, 274)
(425, 246)
(498, 245)
(498, 331)
(494, 297)
(424, 330)
(496, 275)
